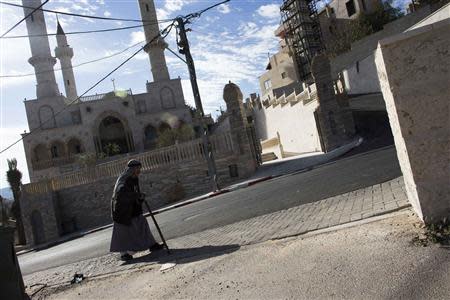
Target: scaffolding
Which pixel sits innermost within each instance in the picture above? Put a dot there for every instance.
(302, 34)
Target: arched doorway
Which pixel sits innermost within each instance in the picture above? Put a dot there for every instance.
(37, 227)
(112, 132)
(74, 147)
(150, 137)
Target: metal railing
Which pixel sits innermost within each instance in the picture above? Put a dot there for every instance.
(222, 144)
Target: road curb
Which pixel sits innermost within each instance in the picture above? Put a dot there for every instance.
(198, 199)
(376, 217)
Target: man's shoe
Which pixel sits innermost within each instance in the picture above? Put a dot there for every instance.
(156, 247)
(126, 257)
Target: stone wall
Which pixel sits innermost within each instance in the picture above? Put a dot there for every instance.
(335, 122)
(39, 215)
(414, 72)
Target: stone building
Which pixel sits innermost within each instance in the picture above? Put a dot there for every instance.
(65, 126)
(66, 195)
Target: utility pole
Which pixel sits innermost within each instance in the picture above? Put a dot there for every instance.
(183, 45)
(114, 84)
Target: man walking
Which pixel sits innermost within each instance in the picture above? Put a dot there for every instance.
(131, 232)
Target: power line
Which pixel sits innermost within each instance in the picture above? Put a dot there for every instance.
(200, 12)
(85, 16)
(74, 66)
(77, 32)
(24, 18)
(164, 33)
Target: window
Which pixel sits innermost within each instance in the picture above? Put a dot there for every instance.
(78, 149)
(146, 7)
(76, 117)
(350, 5)
(54, 151)
(32, 18)
(68, 82)
(357, 67)
(283, 75)
(363, 5)
(267, 84)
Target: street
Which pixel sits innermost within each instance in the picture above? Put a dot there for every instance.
(329, 180)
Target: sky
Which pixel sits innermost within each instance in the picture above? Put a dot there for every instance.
(230, 42)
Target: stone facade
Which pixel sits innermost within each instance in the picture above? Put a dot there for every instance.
(335, 123)
(413, 68)
(64, 127)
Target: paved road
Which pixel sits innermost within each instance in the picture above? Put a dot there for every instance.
(270, 196)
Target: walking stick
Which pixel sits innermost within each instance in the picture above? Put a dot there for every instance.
(157, 227)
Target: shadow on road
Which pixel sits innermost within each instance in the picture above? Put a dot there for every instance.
(185, 255)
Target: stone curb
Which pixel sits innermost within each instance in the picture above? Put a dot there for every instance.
(194, 200)
(373, 218)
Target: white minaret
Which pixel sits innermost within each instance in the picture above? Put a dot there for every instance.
(65, 53)
(156, 49)
(41, 57)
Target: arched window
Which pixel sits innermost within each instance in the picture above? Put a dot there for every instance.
(150, 137)
(47, 117)
(167, 98)
(40, 153)
(57, 150)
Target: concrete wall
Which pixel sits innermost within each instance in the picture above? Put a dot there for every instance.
(414, 73)
(295, 124)
(439, 15)
(361, 77)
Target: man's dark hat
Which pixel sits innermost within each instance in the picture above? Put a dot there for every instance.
(134, 163)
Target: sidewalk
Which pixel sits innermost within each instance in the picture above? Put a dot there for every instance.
(265, 172)
(373, 260)
(357, 205)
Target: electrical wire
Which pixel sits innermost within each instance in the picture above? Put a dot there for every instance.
(23, 19)
(77, 32)
(163, 33)
(200, 12)
(74, 66)
(87, 16)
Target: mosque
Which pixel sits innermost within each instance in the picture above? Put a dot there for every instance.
(66, 125)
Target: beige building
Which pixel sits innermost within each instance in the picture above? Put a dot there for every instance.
(65, 126)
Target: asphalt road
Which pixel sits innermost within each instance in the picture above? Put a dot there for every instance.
(326, 181)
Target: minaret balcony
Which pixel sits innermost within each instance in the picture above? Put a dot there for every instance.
(41, 60)
(61, 52)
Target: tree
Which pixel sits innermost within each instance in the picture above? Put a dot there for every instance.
(421, 3)
(364, 25)
(169, 137)
(14, 178)
(111, 149)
